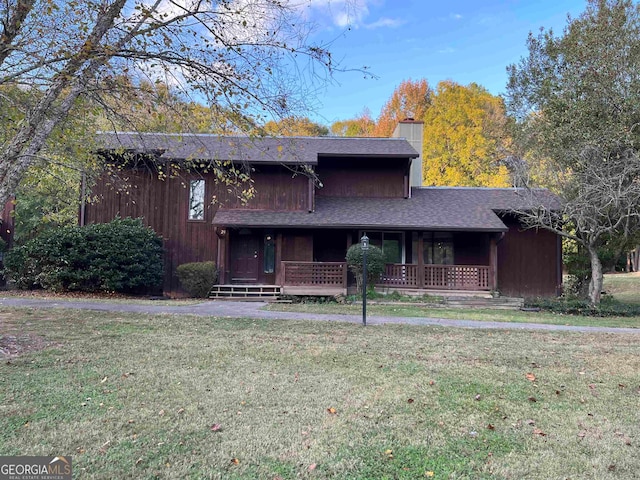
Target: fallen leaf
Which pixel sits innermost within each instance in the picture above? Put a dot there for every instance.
(161, 413)
(131, 421)
(181, 410)
(139, 461)
(622, 385)
(388, 452)
(312, 467)
(410, 400)
(104, 380)
(431, 382)
(491, 427)
(530, 422)
(531, 377)
(235, 461)
(331, 410)
(532, 399)
(477, 397)
(216, 427)
(429, 474)
(537, 431)
(611, 468)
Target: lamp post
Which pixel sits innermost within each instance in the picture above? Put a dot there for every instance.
(364, 242)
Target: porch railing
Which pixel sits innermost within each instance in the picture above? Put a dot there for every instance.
(443, 277)
(318, 274)
(456, 277)
(440, 277)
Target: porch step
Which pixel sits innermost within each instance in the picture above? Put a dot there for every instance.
(506, 303)
(245, 292)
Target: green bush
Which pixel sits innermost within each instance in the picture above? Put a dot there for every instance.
(197, 278)
(609, 307)
(375, 264)
(119, 256)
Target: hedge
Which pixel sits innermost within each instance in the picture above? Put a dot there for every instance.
(119, 256)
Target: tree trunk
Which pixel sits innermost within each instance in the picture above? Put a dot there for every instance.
(595, 285)
(635, 259)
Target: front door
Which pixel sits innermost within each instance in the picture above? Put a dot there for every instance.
(245, 261)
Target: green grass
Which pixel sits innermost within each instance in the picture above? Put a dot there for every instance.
(459, 314)
(624, 287)
(134, 396)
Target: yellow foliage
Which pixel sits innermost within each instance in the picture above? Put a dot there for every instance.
(465, 138)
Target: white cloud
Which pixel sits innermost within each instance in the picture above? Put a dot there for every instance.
(385, 23)
(341, 13)
(447, 50)
(456, 16)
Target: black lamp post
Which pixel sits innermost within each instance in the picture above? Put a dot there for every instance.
(364, 241)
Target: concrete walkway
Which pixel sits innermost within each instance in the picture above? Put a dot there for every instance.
(253, 310)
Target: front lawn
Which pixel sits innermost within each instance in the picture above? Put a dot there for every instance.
(137, 396)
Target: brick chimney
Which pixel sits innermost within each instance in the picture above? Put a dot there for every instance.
(411, 130)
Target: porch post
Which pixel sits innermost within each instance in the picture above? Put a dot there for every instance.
(226, 255)
(420, 259)
(278, 260)
(493, 263)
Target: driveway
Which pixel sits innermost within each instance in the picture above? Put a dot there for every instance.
(253, 310)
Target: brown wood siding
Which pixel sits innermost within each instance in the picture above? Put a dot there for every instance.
(297, 246)
(361, 178)
(276, 188)
(527, 262)
(163, 206)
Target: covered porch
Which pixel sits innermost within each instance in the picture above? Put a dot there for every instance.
(312, 262)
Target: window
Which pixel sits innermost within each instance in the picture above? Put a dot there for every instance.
(269, 254)
(196, 200)
(391, 243)
(438, 248)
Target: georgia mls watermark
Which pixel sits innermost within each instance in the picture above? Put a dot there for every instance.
(35, 468)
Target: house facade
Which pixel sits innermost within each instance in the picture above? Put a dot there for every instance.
(314, 198)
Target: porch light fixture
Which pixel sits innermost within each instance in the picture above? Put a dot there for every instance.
(364, 243)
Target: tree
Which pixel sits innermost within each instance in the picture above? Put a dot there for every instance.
(465, 138)
(409, 100)
(360, 126)
(577, 109)
(295, 127)
(236, 55)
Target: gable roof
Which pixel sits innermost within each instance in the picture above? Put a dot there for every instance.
(429, 208)
(266, 150)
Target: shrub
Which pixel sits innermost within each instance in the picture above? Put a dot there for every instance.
(197, 278)
(375, 264)
(609, 307)
(121, 256)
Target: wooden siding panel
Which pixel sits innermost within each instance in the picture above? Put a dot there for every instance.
(276, 188)
(527, 262)
(362, 177)
(163, 206)
(297, 246)
(346, 182)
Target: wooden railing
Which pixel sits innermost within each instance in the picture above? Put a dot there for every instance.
(400, 275)
(456, 277)
(318, 274)
(441, 277)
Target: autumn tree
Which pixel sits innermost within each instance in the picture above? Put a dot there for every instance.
(575, 98)
(360, 126)
(237, 55)
(295, 127)
(465, 138)
(409, 100)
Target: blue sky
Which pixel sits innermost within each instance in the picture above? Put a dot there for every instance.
(462, 40)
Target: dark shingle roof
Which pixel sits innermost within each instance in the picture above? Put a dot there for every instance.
(289, 150)
(429, 208)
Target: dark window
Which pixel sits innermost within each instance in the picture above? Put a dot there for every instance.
(391, 243)
(438, 248)
(196, 200)
(269, 254)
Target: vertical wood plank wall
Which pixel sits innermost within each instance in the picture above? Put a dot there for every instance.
(527, 262)
(163, 206)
